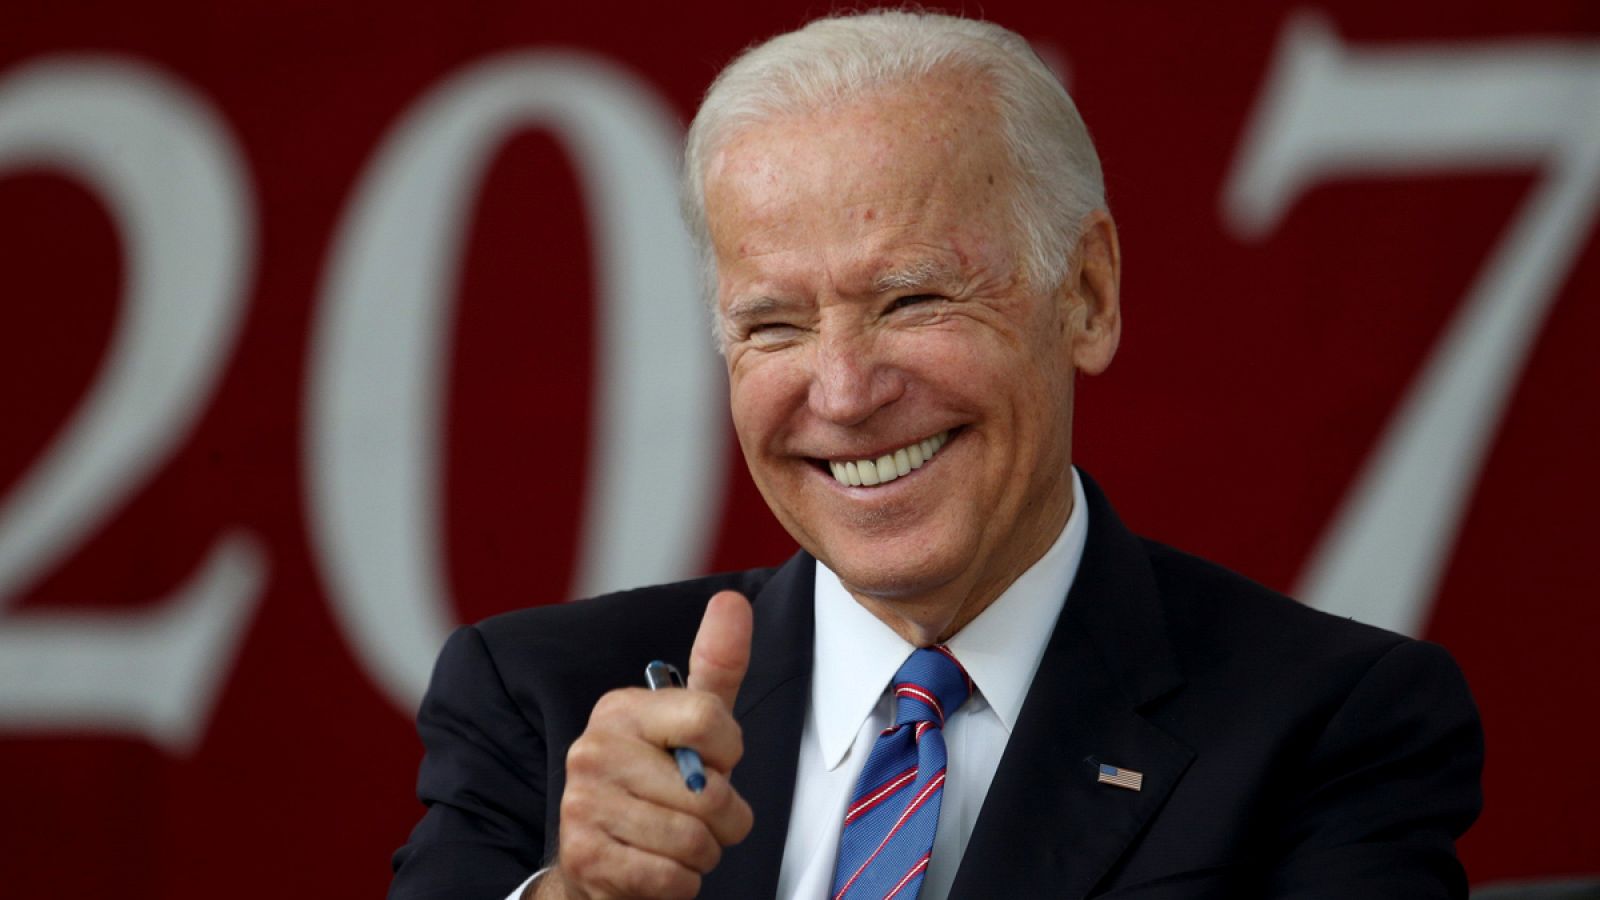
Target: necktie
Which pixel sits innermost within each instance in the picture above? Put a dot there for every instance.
(894, 812)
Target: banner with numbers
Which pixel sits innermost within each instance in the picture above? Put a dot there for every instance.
(325, 327)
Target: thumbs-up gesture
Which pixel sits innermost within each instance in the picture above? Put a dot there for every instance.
(629, 825)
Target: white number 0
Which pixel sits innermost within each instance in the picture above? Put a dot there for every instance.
(376, 384)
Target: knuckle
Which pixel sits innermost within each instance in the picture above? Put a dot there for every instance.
(576, 802)
(668, 881)
(580, 849)
(691, 840)
(724, 797)
(717, 793)
(585, 756)
(743, 819)
(611, 705)
(728, 815)
(704, 851)
(701, 714)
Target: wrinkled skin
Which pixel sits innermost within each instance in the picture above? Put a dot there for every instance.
(871, 294)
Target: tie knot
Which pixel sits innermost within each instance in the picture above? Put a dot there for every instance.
(929, 686)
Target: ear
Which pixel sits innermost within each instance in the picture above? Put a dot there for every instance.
(1094, 309)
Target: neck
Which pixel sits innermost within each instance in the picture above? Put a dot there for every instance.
(934, 616)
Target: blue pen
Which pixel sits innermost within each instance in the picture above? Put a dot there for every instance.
(661, 675)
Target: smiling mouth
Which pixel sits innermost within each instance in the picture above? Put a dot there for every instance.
(888, 467)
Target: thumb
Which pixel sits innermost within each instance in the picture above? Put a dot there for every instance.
(721, 651)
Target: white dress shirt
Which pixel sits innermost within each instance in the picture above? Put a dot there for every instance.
(853, 659)
(855, 656)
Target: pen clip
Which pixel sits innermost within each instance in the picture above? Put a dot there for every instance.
(659, 675)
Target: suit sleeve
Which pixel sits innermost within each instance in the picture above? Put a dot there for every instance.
(482, 780)
(1390, 784)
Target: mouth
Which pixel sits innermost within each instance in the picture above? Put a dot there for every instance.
(883, 469)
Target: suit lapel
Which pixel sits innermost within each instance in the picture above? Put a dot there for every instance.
(1047, 827)
(771, 710)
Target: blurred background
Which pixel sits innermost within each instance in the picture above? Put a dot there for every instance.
(324, 327)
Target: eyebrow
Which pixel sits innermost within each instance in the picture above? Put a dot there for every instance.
(757, 307)
(920, 274)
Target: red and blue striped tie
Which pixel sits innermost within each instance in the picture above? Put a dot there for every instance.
(894, 812)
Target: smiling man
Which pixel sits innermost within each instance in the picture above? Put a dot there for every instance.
(874, 304)
(972, 681)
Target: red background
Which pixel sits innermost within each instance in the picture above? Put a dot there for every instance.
(1255, 376)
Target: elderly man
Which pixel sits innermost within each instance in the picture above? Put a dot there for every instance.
(972, 681)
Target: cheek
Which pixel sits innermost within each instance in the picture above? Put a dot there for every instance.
(961, 364)
(763, 399)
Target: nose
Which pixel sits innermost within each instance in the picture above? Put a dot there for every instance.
(850, 381)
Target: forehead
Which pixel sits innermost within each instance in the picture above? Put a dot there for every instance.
(916, 164)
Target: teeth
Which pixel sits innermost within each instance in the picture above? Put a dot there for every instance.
(890, 466)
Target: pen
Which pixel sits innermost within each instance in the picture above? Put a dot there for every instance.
(661, 675)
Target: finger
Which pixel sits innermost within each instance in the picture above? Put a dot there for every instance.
(667, 719)
(718, 805)
(603, 771)
(721, 652)
(730, 817)
(665, 832)
(594, 863)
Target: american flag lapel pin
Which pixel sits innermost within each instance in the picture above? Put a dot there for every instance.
(1122, 778)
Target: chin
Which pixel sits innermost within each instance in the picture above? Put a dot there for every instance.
(891, 575)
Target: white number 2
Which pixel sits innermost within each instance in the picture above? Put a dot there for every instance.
(174, 183)
(1328, 110)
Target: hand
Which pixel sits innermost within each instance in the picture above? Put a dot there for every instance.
(629, 826)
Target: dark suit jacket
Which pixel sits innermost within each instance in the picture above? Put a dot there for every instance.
(1286, 753)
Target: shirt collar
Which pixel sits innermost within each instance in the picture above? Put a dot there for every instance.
(856, 654)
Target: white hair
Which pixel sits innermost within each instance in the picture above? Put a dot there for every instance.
(841, 58)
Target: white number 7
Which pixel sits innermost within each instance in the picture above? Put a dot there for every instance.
(1328, 110)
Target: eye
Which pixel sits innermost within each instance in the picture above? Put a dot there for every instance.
(912, 300)
(770, 333)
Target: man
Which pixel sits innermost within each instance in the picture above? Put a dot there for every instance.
(973, 681)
